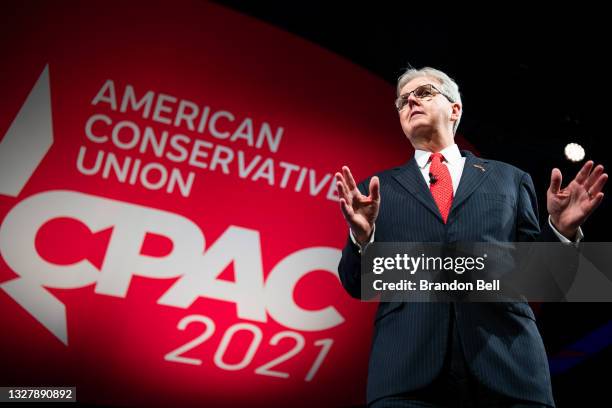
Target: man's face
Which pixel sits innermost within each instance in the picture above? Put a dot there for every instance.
(421, 117)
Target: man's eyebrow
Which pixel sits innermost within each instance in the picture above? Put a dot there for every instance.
(406, 93)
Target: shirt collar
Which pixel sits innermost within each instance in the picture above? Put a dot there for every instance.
(451, 155)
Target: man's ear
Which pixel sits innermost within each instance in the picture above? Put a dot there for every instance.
(456, 111)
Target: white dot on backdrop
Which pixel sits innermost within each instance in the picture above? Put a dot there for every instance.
(574, 152)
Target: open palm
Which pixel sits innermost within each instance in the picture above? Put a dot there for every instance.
(569, 207)
(360, 211)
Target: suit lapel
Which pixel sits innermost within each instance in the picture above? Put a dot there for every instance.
(475, 171)
(410, 177)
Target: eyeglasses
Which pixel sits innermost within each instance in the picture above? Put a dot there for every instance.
(421, 92)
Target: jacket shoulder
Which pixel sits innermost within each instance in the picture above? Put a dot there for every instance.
(504, 168)
(383, 176)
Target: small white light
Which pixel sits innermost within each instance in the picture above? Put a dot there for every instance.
(574, 152)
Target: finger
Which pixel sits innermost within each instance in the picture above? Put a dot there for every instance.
(375, 189)
(598, 185)
(347, 211)
(342, 193)
(584, 172)
(594, 176)
(350, 181)
(594, 203)
(555, 181)
(340, 179)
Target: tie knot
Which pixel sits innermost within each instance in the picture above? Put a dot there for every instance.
(436, 157)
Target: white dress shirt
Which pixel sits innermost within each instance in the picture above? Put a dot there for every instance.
(452, 159)
(455, 163)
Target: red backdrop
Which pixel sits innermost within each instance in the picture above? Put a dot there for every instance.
(169, 230)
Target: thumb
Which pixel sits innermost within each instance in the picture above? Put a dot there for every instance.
(555, 181)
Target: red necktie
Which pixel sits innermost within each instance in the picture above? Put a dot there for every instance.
(441, 185)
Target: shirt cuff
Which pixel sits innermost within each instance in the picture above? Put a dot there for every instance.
(579, 235)
(361, 248)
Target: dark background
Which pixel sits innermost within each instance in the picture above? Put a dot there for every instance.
(531, 80)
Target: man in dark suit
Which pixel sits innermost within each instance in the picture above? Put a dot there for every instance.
(455, 354)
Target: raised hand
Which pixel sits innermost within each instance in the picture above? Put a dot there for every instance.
(360, 211)
(571, 206)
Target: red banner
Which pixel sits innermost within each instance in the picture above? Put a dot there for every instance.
(169, 226)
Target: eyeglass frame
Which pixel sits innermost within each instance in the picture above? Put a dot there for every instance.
(407, 95)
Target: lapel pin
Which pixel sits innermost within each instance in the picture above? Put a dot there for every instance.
(478, 166)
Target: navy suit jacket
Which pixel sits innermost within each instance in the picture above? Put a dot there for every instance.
(501, 342)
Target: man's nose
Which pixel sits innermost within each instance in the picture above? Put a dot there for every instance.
(413, 101)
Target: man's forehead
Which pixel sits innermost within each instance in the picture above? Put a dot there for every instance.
(416, 82)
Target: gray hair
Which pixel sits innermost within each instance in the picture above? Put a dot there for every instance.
(447, 85)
